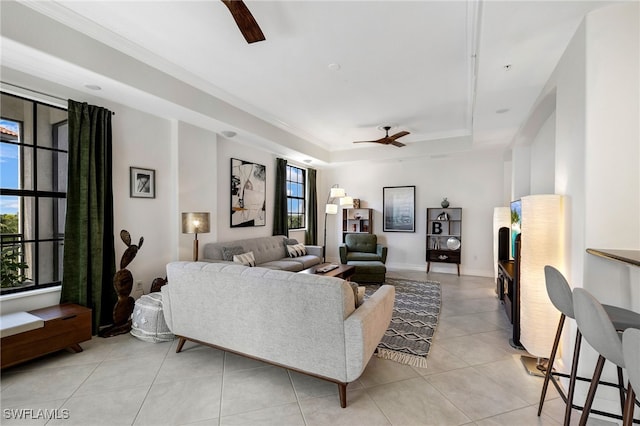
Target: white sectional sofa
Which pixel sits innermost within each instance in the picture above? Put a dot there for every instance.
(269, 252)
(303, 322)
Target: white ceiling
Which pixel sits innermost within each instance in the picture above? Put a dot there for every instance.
(437, 69)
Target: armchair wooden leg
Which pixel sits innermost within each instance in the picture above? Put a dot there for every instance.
(180, 344)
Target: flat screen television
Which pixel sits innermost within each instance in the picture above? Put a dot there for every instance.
(516, 222)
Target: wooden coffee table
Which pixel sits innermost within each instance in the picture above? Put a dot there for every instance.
(342, 271)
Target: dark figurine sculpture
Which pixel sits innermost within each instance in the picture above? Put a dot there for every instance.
(123, 284)
(157, 284)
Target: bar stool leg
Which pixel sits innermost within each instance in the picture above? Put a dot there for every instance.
(629, 406)
(572, 378)
(592, 391)
(621, 389)
(552, 358)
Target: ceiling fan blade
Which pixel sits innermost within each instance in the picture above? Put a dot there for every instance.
(366, 142)
(245, 20)
(398, 144)
(398, 135)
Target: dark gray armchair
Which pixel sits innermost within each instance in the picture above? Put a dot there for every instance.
(362, 247)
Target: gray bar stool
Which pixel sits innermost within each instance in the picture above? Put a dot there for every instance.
(631, 352)
(561, 296)
(597, 329)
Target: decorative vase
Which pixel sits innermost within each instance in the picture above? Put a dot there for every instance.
(444, 203)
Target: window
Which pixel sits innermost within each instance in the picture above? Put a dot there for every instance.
(33, 186)
(296, 201)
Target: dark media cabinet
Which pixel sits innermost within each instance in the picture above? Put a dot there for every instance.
(508, 287)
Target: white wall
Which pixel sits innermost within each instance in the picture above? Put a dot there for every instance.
(140, 140)
(473, 182)
(197, 185)
(543, 158)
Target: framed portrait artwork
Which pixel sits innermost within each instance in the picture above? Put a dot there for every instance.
(399, 208)
(248, 194)
(142, 183)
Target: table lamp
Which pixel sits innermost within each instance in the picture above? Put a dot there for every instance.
(195, 223)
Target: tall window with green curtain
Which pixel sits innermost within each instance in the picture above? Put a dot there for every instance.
(33, 189)
(296, 198)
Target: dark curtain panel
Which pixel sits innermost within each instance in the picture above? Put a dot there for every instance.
(280, 226)
(311, 236)
(89, 254)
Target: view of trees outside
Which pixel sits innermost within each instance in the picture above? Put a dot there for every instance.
(13, 268)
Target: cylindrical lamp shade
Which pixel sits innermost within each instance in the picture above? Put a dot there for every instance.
(346, 201)
(542, 243)
(331, 209)
(195, 223)
(501, 219)
(336, 193)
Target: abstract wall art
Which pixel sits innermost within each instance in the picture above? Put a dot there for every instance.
(248, 194)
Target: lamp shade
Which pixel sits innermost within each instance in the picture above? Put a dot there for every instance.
(331, 209)
(346, 201)
(336, 193)
(195, 223)
(542, 243)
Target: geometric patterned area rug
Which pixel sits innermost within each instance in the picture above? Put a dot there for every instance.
(413, 323)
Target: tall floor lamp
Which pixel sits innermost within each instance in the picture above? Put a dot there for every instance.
(542, 244)
(195, 223)
(335, 193)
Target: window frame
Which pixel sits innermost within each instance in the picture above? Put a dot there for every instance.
(299, 198)
(34, 195)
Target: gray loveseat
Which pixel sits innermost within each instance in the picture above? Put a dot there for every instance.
(269, 252)
(303, 322)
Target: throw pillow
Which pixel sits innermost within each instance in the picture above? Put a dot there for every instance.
(246, 259)
(358, 293)
(296, 250)
(229, 252)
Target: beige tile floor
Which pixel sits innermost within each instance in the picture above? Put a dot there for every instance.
(473, 378)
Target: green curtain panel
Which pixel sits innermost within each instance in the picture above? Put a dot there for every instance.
(280, 226)
(311, 236)
(89, 254)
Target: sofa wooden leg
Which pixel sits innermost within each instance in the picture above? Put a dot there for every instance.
(342, 389)
(180, 344)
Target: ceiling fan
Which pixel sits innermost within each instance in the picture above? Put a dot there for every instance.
(389, 139)
(245, 20)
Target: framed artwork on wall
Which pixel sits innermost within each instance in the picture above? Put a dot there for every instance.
(142, 183)
(248, 194)
(399, 208)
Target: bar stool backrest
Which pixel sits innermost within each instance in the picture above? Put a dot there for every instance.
(596, 327)
(559, 291)
(631, 350)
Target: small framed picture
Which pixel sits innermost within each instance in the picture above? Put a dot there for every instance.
(142, 182)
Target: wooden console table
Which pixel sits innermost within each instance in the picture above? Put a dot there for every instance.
(65, 326)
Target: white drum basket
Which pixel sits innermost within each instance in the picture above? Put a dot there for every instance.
(148, 322)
